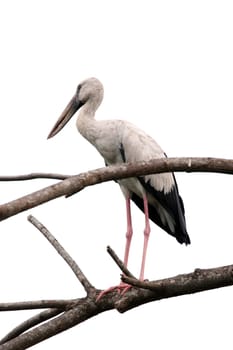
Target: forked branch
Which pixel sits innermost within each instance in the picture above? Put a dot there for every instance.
(64, 314)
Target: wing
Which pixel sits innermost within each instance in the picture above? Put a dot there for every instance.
(166, 210)
(166, 207)
(135, 146)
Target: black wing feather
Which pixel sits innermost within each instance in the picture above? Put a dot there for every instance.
(172, 203)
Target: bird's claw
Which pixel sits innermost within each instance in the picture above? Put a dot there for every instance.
(122, 288)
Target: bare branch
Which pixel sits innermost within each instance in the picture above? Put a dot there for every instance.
(198, 281)
(35, 304)
(76, 183)
(34, 176)
(86, 308)
(69, 260)
(79, 310)
(31, 322)
(70, 318)
(119, 263)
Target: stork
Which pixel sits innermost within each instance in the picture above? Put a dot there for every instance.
(119, 141)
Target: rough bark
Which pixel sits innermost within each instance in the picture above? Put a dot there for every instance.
(76, 183)
(60, 315)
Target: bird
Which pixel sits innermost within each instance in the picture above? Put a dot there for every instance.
(119, 141)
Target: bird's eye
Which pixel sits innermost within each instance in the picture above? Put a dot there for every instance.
(78, 88)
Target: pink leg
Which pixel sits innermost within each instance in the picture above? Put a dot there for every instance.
(123, 287)
(129, 231)
(146, 237)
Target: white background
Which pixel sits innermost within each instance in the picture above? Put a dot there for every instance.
(167, 67)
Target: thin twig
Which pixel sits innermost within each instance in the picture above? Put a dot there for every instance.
(140, 284)
(36, 304)
(31, 322)
(55, 325)
(69, 260)
(119, 262)
(34, 176)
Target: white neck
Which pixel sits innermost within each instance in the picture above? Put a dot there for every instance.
(86, 123)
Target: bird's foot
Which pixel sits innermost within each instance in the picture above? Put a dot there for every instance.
(121, 288)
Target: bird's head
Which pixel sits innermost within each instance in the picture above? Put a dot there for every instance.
(89, 92)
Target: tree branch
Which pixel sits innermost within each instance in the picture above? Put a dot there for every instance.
(61, 251)
(119, 263)
(36, 304)
(86, 308)
(79, 310)
(198, 281)
(31, 322)
(76, 183)
(34, 176)
(67, 314)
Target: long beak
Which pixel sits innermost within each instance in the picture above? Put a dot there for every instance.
(66, 115)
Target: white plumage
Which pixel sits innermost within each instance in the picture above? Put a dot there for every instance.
(119, 141)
